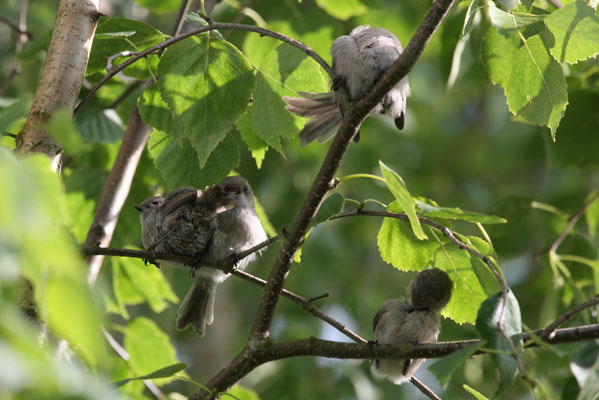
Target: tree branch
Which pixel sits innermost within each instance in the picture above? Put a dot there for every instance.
(550, 330)
(322, 184)
(62, 75)
(214, 25)
(116, 189)
(267, 351)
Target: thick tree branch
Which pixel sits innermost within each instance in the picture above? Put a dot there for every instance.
(322, 184)
(62, 75)
(214, 25)
(324, 180)
(267, 350)
(116, 189)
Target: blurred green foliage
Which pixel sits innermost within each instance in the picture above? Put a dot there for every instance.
(461, 148)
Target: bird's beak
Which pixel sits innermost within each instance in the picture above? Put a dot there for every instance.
(138, 208)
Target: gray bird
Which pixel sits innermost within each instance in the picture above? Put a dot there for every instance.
(359, 60)
(416, 321)
(182, 222)
(237, 229)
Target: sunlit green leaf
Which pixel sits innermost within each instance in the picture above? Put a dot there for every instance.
(207, 84)
(575, 29)
(429, 211)
(179, 165)
(113, 37)
(477, 395)
(154, 111)
(253, 142)
(343, 10)
(532, 80)
(243, 393)
(149, 347)
(400, 191)
(285, 71)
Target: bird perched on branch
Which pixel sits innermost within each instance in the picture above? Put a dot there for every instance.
(359, 60)
(414, 321)
(237, 229)
(212, 225)
(182, 222)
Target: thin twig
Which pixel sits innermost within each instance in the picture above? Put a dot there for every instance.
(424, 389)
(547, 333)
(203, 29)
(16, 28)
(571, 222)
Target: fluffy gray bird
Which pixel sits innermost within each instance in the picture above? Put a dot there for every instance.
(182, 222)
(359, 60)
(237, 229)
(412, 322)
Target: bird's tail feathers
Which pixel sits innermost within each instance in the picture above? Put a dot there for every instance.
(197, 308)
(323, 111)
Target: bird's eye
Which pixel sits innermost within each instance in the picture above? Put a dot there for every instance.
(227, 189)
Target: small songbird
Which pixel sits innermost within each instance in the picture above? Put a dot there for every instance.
(416, 321)
(182, 222)
(237, 229)
(359, 60)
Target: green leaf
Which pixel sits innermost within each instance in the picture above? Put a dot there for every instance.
(246, 127)
(154, 111)
(430, 211)
(444, 367)
(400, 191)
(399, 247)
(150, 349)
(178, 163)
(113, 36)
(492, 312)
(533, 82)
(511, 21)
(257, 146)
(12, 113)
(73, 315)
(343, 10)
(330, 207)
(160, 6)
(575, 29)
(207, 84)
(284, 71)
(577, 143)
(243, 393)
(161, 373)
(468, 293)
(62, 127)
(149, 282)
(474, 392)
(99, 124)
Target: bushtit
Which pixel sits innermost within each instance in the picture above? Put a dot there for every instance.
(182, 222)
(237, 229)
(359, 60)
(416, 321)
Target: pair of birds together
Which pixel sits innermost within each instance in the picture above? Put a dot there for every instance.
(221, 221)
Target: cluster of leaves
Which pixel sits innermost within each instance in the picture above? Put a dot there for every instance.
(523, 53)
